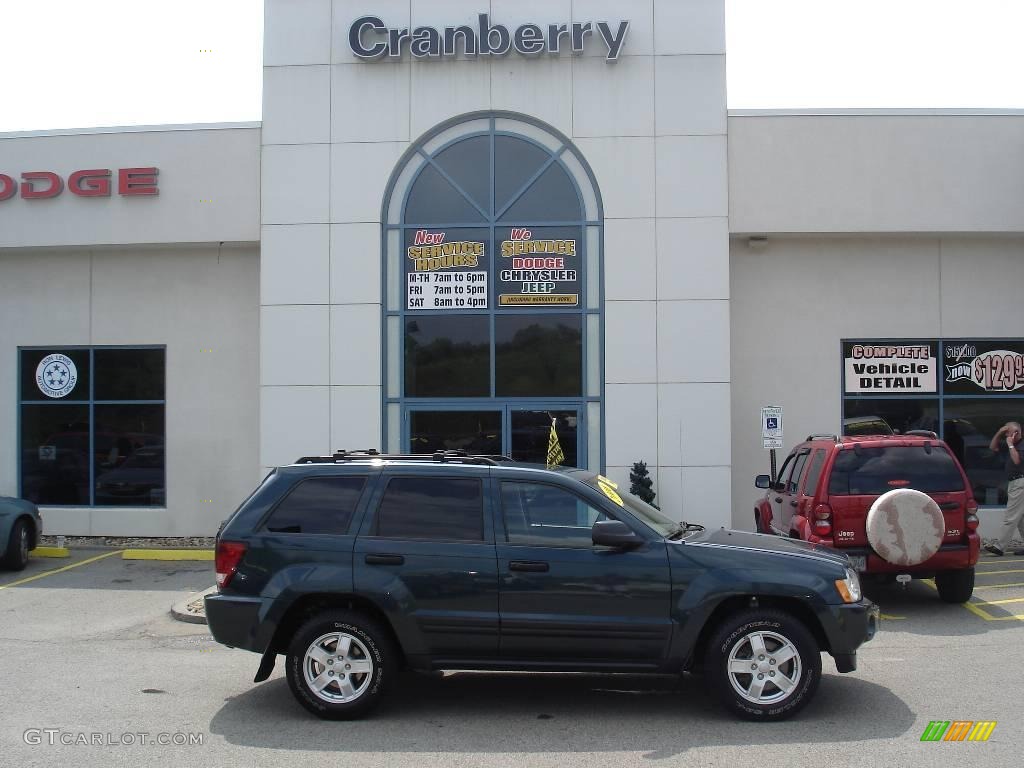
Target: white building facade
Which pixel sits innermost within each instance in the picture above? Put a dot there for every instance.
(458, 222)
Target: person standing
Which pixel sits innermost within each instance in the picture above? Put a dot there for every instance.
(1009, 436)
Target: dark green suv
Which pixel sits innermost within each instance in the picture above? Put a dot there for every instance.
(357, 564)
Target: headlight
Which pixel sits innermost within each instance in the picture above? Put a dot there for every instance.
(849, 588)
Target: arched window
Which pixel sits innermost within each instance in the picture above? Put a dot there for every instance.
(492, 289)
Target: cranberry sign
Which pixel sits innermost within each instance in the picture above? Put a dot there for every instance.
(93, 182)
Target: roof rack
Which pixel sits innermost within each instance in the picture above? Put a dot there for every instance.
(439, 457)
(922, 433)
(823, 435)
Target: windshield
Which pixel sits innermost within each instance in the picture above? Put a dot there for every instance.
(652, 517)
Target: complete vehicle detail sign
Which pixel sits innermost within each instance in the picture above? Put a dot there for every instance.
(889, 367)
(370, 38)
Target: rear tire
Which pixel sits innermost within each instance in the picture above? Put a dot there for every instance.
(955, 586)
(16, 554)
(338, 664)
(763, 664)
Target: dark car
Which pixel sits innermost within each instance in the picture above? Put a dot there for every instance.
(354, 565)
(20, 529)
(895, 504)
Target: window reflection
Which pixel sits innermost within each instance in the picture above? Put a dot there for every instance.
(538, 355)
(447, 356)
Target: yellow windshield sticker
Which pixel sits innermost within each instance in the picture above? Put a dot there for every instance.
(607, 481)
(610, 492)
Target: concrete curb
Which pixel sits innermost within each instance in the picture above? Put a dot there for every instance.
(168, 554)
(192, 610)
(50, 552)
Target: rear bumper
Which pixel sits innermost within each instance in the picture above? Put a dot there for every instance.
(950, 557)
(235, 621)
(847, 628)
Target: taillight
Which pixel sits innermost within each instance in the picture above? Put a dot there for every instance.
(971, 521)
(823, 520)
(226, 560)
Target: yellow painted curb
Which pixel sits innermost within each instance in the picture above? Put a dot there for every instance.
(51, 552)
(168, 554)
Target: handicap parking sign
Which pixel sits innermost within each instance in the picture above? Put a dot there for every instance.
(771, 426)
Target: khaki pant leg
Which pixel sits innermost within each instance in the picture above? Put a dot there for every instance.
(1014, 512)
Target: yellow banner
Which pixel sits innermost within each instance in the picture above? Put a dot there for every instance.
(535, 299)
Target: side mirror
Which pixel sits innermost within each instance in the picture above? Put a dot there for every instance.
(614, 533)
(763, 481)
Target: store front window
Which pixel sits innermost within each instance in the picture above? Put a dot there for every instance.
(92, 426)
(962, 389)
(492, 294)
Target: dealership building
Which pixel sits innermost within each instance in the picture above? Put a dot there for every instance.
(459, 222)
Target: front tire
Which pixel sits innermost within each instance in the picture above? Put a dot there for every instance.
(955, 586)
(15, 556)
(338, 663)
(763, 664)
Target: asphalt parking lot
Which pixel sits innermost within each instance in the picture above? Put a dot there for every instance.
(87, 647)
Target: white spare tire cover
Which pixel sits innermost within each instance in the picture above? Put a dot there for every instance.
(905, 526)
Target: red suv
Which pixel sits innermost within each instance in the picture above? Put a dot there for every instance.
(895, 504)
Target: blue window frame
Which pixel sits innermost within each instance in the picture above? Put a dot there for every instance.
(91, 426)
(493, 236)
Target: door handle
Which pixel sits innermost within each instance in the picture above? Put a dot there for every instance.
(792, 503)
(531, 566)
(778, 499)
(384, 560)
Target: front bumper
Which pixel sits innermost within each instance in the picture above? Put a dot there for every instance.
(847, 627)
(235, 621)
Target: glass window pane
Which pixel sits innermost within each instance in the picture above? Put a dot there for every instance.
(814, 473)
(552, 197)
(477, 432)
(447, 356)
(873, 471)
(128, 454)
(468, 163)
(515, 163)
(54, 374)
(55, 454)
(547, 516)
(594, 436)
(531, 432)
(886, 416)
(431, 508)
(538, 355)
(593, 268)
(432, 200)
(968, 427)
(538, 267)
(446, 269)
(129, 374)
(793, 480)
(594, 355)
(318, 505)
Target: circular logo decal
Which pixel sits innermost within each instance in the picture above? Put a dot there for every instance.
(56, 375)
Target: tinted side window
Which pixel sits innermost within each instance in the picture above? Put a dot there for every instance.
(318, 505)
(817, 462)
(872, 471)
(798, 468)
(544, 515)
(431, 508)
(787, 465)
